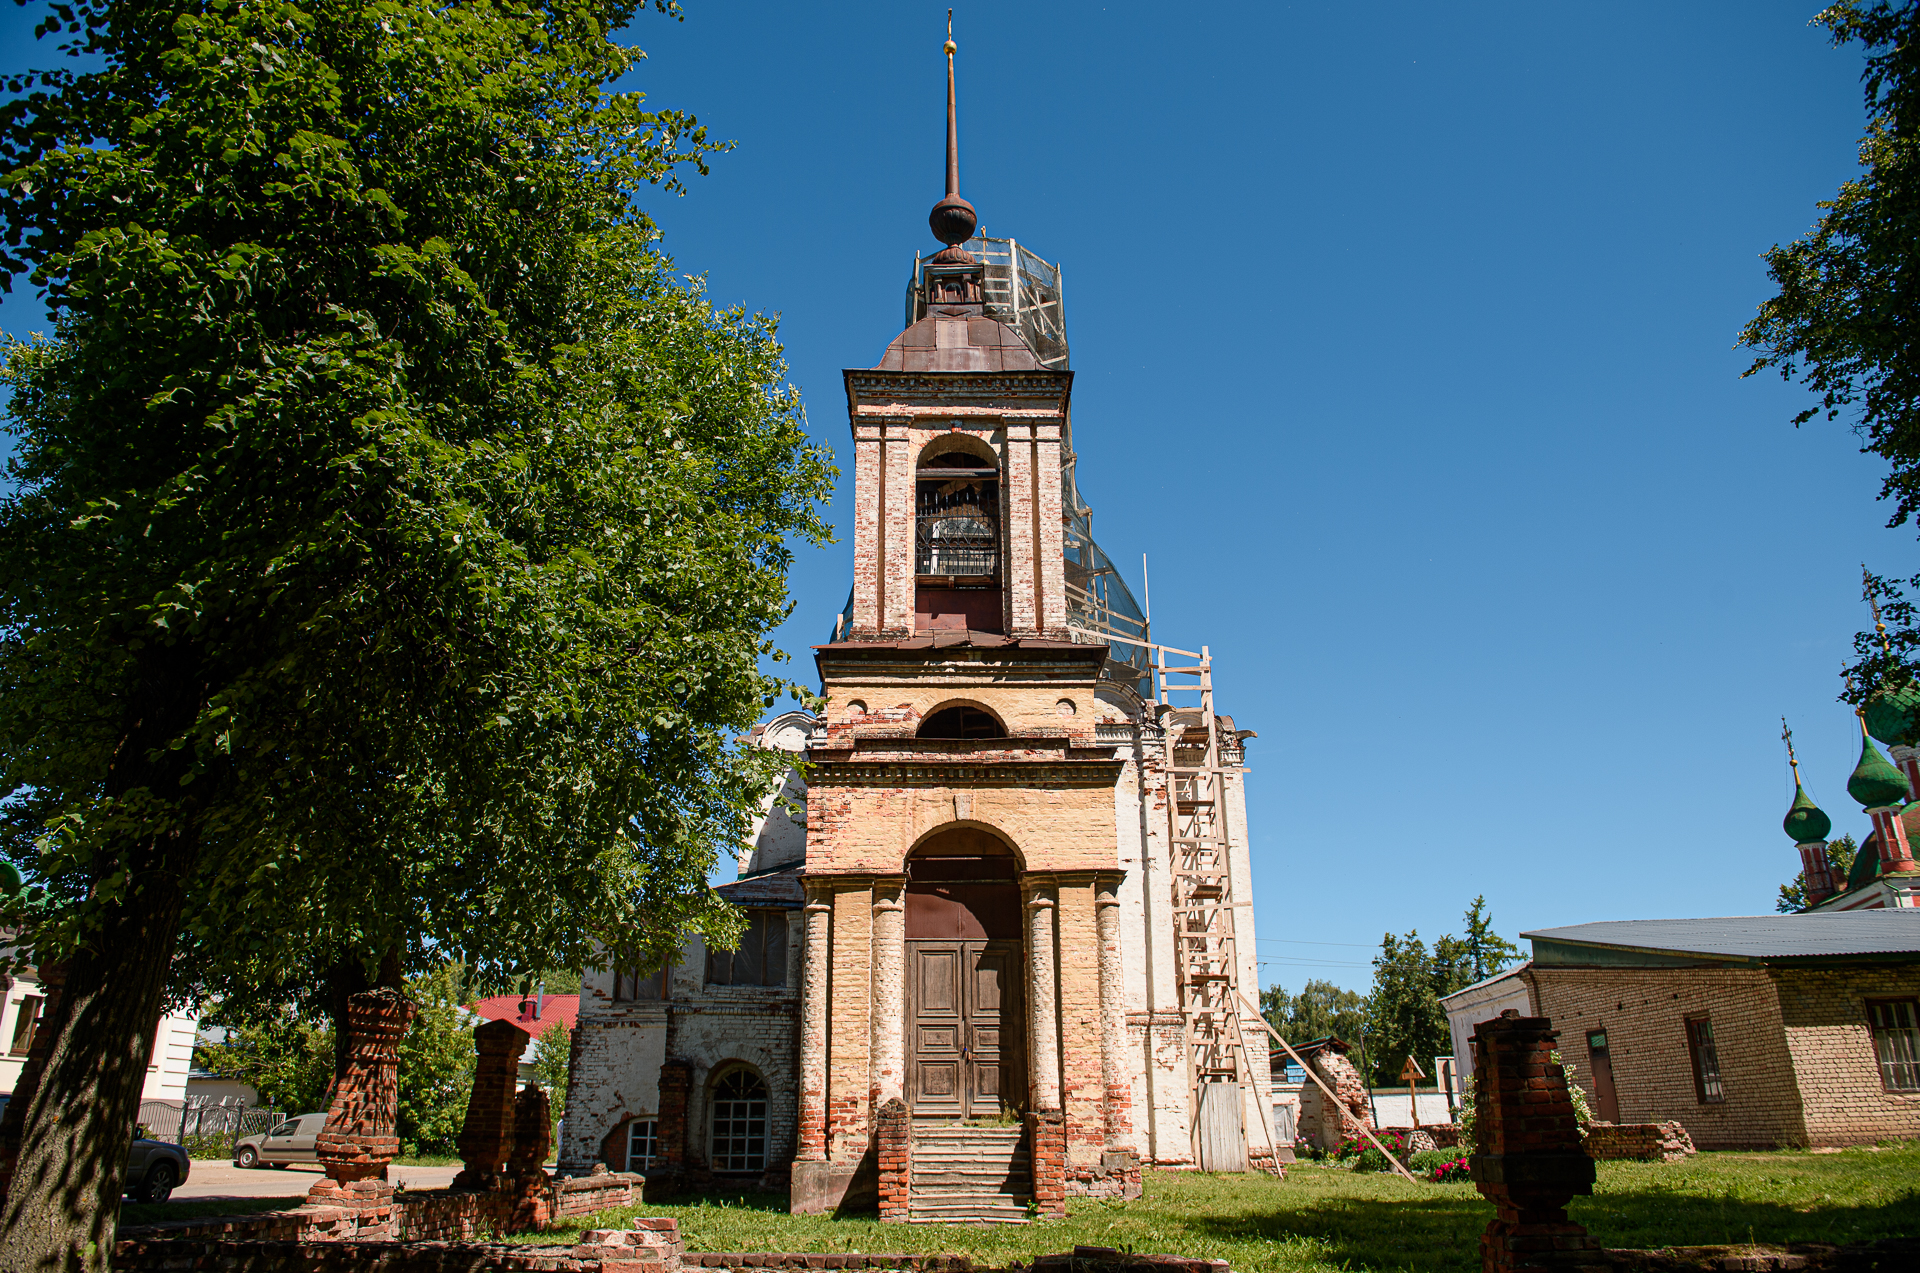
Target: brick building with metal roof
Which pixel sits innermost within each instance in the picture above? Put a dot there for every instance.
(1751, 1031)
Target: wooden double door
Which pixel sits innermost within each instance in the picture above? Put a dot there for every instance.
(965, 1028)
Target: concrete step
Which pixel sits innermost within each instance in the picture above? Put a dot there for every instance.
(968, 1160)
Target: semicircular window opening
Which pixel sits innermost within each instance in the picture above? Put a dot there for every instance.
(961, 721)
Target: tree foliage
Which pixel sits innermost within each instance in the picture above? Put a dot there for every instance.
(394, 539)
(1321, 1009)
(287, 1056)
(1841, 320)
(1840, 855)
(1404, 1017)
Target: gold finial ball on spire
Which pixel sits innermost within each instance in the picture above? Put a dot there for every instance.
(951, 48)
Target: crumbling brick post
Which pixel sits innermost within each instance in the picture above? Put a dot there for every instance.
(486, 1137)
(1527, 1158)
(893, 1137)
(1047, 1151)
(358, 1141)
(532, 1139)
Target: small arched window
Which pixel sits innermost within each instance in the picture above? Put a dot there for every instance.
(961, 721)
(739, 1139)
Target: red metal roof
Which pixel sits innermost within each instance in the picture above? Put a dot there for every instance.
(555, 1010)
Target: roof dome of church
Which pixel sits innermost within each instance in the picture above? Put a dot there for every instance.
(1805, 822)
(1893, 716)
(1875, 781)
(959, 342)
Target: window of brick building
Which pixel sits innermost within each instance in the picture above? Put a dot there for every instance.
(762, 957)
(23, 1024)
(643, 1143)
(739, 1140)
(631, 987)
(1896, 1043)
(1706, 1061)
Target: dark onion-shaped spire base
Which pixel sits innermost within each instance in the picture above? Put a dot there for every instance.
(952, 220)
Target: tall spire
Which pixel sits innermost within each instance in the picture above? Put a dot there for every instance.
(952, 219)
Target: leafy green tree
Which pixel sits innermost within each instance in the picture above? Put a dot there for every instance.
(1840, 855)
(1841, 320)
(395, 535)
(1485, 951)
(1320, 1010)
(436, 1064)
(286, 1057)
(1404, 1016)
(553, 1066)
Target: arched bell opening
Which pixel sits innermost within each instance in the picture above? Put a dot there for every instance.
(966, 1032)
(957, 546)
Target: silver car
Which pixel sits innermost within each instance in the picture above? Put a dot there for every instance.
(290, 1141)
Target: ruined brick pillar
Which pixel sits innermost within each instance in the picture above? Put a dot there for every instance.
(1527, 1158)
(532, 1140)
(1047, 1150)
(358, 1141)
(893, 1139)
(488, 1134)
(676, 1086)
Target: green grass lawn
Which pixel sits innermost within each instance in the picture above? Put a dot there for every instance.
(1324, 1219)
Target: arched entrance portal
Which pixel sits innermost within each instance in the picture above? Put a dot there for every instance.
(966, 1033)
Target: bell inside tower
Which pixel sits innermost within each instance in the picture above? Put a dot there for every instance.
(957, 549)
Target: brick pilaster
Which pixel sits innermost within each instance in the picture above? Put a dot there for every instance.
(1047, 1150)
(676, 1084)
(893, 1140)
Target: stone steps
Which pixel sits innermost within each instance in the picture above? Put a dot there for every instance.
(969, 1175)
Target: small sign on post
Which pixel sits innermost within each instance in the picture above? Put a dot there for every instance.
(1411, 1073)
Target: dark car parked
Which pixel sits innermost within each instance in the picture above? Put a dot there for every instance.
(154, 1168)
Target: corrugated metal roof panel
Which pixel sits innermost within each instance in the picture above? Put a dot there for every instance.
(1762, 937)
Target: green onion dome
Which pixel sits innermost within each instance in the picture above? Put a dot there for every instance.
(1893, 716)
(1866, 863)
(1805, 823)
(1875, 781)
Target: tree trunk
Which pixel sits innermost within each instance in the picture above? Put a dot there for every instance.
(63, 1198)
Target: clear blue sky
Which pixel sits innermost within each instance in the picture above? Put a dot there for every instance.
(1403, 338)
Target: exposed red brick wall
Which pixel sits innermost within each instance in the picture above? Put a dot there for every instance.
(893, 1138)
(1047, 1150)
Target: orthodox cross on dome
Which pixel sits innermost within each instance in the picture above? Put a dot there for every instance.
(952, 219)
(1879, 625)
(1786, 736)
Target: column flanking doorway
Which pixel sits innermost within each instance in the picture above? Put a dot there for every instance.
(966, 1029)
